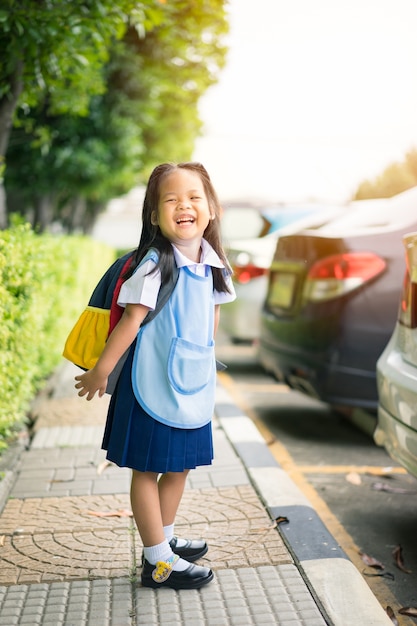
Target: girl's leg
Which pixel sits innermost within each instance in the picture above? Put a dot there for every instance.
(171, 488)
(161, 566)
(144, 497)
(146, 508)
(155, 504)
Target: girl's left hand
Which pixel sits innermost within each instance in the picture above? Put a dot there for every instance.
(90, 383)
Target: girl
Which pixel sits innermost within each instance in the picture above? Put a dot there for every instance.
(159, 419)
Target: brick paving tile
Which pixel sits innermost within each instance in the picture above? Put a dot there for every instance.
(71, 603)
(49, 539)
(235, 597)
(44, 557)
(36, 515)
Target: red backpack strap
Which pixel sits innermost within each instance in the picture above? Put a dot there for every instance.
(116, 311)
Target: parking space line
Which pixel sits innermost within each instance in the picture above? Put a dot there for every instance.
(371, 470)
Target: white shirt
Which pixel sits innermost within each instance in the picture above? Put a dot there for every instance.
(143, 286)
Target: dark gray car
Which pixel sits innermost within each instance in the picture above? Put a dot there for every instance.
(332, 301)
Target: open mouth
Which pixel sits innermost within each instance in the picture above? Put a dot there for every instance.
(185, 220)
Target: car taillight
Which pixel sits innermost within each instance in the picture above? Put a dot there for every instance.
(407, 314)
(404, 310)
(245, 273)
(336, 275)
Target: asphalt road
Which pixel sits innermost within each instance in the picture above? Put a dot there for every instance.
(368, 502)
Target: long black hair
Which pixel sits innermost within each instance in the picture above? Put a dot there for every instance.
(151, 236)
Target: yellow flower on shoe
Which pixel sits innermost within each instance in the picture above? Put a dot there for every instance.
(163, 569)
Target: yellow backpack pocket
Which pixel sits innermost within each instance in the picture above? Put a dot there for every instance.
(87, 339)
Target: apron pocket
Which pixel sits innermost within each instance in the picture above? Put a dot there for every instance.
(190, 366)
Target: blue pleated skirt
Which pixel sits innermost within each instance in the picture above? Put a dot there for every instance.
(134, 439)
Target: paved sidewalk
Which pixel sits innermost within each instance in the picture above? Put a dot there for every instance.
(70, 553)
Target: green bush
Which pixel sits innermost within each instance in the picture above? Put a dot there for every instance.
(45, 282)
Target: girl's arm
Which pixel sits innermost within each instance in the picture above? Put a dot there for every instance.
(95, 380)
(216, 317)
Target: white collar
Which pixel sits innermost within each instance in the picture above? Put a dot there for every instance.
(208, 256)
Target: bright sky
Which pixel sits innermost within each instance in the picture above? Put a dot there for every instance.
(317, 95)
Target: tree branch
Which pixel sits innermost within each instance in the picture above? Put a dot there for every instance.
(8, 104)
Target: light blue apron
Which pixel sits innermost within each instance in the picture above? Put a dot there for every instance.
(174, 367)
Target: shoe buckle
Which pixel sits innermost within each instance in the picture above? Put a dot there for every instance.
(163, 569)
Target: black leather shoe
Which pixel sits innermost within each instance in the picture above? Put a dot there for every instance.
(194, 549)
(161, 575)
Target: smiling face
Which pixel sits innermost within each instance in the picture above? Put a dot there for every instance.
(183, 212)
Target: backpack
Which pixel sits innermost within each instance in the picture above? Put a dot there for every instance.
(88, 337)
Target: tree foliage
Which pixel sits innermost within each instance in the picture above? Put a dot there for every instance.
(396, 177)
(144, 112)
(57, 47)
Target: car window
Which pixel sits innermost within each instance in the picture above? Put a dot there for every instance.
(250, 222)
(279, 218)
(242, 223)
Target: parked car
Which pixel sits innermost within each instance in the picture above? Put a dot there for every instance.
(332, 299)
(397, 373)
(241, 220)
(251, 258)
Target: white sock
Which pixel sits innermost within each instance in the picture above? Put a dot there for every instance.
(169, 533)
(162, 552)
(180, 565)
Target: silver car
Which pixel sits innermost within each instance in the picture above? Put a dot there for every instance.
(397, 373)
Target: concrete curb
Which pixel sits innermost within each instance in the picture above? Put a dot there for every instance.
(9, 463)
(337, 586)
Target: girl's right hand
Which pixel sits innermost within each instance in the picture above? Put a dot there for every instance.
(90, 383)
